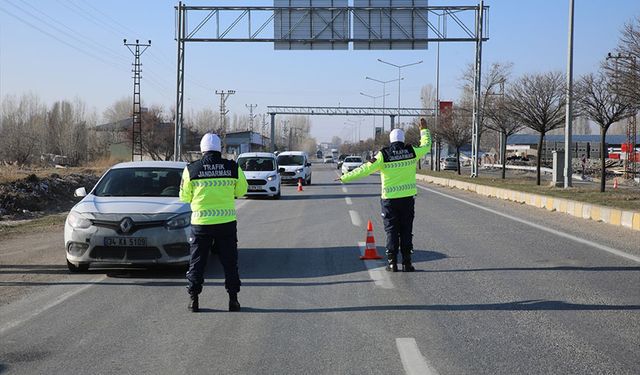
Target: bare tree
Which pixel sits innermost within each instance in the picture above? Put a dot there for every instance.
(537, 101)
(625, 69)
(119, 110)
(492, 83)
(601, 103)
(502, 120)
(67, 130)
(455, 129)
(21, 124)
(157, 134)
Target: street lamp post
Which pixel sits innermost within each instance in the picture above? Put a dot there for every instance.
(374, 106)
(384, 94)
(399, 79)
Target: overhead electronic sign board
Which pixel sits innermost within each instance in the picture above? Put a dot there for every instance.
(390, 24)
(311, 25)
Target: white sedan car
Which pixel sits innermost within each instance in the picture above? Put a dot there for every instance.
(261, 171)
(132, 216)
(350, 163)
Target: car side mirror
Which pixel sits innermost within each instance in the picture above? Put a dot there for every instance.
(80, 192)
(308, 164)
(280, 170)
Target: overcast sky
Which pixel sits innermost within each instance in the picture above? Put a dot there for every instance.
(62, 49)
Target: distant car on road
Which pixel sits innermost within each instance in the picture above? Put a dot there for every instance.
(350, 163)
(132, 216)
(319, 154)
(328, 159)
(294, 165)
(261, 171)
(450, 164)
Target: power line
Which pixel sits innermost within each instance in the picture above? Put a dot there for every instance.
(57, 38)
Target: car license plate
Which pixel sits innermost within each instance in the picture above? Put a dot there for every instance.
(125, 241)
(255, 187)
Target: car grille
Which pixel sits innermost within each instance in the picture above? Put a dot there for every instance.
(288, 173)
(177, 250)
(256, 182)
(125, 253)
(115, 225)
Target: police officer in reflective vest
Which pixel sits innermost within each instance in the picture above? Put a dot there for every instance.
(397, 166)
(211, 185)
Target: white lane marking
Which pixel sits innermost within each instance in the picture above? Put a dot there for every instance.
(377, 273)
(61, 298)
(348, 200)
(608, 249)
(355, 218)
(413, 361)
(344, 189)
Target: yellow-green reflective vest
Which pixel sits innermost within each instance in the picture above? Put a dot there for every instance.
(397, 166)
(211, 185)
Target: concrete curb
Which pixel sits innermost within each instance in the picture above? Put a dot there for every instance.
(609, 215)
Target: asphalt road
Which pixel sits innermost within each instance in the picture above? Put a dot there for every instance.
(537, 295)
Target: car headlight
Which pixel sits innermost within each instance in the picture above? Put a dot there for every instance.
(179, 221)
(78, 221)
(272, 177)
(299, 170)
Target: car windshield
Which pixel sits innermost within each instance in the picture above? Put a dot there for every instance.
(139, 182)
(256, 164)
(353, 160)
(290, 160)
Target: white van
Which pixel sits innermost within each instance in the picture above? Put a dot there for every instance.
(261, 171)
(294, 165)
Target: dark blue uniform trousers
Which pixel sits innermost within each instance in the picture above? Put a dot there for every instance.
(398, 216)
(221, 239)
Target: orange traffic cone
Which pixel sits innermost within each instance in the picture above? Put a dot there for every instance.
(370, 251)
(615, 183)
(300, 184)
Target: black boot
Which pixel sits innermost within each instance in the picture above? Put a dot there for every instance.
(406, 261)
(408, 267)
(194, 305)
(234, 305)
(392, 263)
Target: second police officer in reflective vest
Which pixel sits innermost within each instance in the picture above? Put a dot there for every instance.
(397, 166)
(211, 185)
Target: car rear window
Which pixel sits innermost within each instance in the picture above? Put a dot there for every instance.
(256, 164)
(353, 160)
(290, 160)
(140, 182)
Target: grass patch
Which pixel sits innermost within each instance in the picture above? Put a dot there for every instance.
(623, 198)
(49, 222)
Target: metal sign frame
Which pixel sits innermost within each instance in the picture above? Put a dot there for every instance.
(450, 27)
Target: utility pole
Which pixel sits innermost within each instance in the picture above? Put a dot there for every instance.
(631, 130)
(384, 93)
(399, 69)
(224, 95)
(477, 88)
(251, 115)
(374, 106)
(435, 156)
(569, 106)
(136, 126)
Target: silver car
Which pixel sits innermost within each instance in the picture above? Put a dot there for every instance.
(132, 216)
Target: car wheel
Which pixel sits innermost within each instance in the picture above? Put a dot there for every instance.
(277, 196)
(309, 181)
(81, 267)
